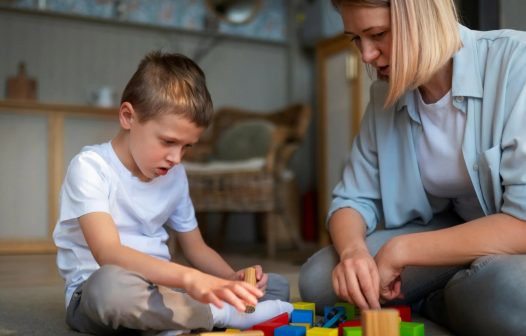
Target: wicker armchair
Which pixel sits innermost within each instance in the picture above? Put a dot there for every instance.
(242, 166)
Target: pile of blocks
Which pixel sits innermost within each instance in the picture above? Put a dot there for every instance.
(342, 319)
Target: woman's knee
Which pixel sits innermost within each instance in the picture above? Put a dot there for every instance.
(315, 279)
(488, 298)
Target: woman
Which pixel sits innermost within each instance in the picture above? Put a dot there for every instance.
(440, 161)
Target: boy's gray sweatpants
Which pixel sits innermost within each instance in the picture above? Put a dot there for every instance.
(116, 301)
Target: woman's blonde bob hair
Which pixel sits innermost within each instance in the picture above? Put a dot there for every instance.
(425, 36)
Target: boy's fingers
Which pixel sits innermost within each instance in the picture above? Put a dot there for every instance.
(253, 290)
(213, 299)
(259, 271)
(234, 299)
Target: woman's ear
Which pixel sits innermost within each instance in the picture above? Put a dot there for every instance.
(126, 115)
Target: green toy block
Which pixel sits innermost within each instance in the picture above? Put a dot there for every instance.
(350, 310)
(352, 331)
(411, 329)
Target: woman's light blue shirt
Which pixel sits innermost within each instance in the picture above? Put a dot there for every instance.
(381, 179)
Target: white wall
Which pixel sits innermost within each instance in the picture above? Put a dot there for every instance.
(71, 57)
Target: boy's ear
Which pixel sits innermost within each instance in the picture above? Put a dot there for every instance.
(126, 115)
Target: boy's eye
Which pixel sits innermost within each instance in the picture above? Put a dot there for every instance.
(168, 142)
(354, 38)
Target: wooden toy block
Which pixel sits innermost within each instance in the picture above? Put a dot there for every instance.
(350, 310)
(336, 319)
(404, 311)
(381, 322)
(353, 323)
(268, 327)
(301, 316)
(317, 331)
(411, 329)
(306, 325)
(352, 331)
(288, 330)
(250, 277)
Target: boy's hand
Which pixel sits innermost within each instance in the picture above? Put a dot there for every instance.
(210, 289)
(261, 278)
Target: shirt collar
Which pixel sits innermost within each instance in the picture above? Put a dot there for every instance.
(466, 76)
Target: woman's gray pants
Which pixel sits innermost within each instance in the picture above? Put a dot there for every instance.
(487, 297)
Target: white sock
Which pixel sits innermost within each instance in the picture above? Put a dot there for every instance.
(229, 317)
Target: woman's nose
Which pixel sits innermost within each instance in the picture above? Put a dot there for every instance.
(369, 52)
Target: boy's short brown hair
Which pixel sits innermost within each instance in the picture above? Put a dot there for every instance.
(169, 83)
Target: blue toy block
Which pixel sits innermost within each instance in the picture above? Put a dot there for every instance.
(288, 330)
(329, 312)
(335, 320)
(301, 316)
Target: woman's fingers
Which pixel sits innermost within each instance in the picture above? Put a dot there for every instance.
(368, 288)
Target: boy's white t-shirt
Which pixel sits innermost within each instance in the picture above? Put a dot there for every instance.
(97, 181)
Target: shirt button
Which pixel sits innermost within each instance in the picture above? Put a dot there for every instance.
(459, 99)
(475, 167)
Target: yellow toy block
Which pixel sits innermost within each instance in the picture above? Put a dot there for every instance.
(317, 331)
(232, 330)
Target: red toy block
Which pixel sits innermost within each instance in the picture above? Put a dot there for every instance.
(404, 311)
(268, 327)
(353, 323)
(281, 318)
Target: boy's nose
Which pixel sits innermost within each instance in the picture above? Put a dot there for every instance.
(175, 156)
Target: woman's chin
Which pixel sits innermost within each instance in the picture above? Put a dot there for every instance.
(382, 77)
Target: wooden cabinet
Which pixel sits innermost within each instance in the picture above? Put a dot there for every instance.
(342, 89)
(37, 141)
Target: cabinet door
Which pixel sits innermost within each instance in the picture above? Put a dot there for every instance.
(37, 142)
(340, 106)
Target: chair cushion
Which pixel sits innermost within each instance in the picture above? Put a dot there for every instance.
(244, 140)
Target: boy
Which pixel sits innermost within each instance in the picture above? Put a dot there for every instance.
(115, 199)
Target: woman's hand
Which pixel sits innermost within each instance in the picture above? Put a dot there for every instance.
(389, 270)
(356, 279)
(210, 289)
(261, 278)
